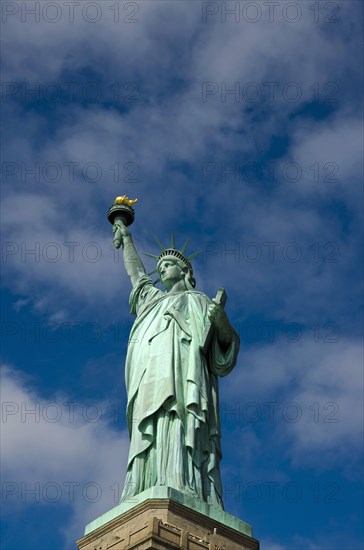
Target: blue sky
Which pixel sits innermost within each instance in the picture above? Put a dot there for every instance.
(243, 131)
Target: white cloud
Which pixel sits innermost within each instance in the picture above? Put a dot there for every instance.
(73, 460)
(172, 123)
(317, 391)
(69, 260)
(168, 55)
(19, 304)
(333, 151)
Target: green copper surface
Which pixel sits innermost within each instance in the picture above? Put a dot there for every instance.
(171, 379)
(161, 493)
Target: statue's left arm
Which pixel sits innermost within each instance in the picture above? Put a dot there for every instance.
(225, 344)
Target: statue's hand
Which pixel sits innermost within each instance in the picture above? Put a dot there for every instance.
(219, 319)
(217, 315)
(119, 225)
(120, 232)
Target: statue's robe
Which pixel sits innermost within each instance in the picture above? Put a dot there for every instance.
(173, 409)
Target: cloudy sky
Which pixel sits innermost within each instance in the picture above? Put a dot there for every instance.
(239, 125)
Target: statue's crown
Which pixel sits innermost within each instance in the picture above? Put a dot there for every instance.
(174, 254)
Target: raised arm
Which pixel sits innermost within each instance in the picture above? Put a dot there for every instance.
(132, 262)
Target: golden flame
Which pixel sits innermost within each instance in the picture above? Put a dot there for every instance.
(123, 199)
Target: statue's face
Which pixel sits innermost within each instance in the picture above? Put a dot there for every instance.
(170, 273)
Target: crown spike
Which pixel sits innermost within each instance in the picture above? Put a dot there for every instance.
(150, 255)
(173, 244)
(183, 249)
(194, 255)
(159, 243)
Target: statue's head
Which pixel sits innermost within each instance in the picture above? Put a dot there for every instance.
(173, 266)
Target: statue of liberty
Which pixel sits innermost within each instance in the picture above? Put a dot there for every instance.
(171, 376)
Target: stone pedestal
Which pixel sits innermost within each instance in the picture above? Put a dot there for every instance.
(165, 519)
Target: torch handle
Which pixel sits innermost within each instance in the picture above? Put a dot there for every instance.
(118, 238)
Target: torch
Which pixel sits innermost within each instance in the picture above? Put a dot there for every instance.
(121, 210)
